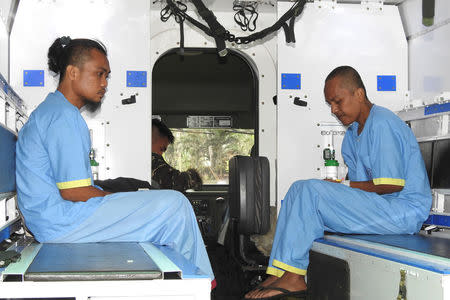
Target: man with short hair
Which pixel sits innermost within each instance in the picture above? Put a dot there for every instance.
(388, 191)
(55, 189)
(163, 174)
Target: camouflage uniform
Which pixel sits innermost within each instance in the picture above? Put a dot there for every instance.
(170, 178)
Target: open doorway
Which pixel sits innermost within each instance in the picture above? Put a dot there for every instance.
(211, 105)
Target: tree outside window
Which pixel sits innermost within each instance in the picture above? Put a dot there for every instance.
(208, 151)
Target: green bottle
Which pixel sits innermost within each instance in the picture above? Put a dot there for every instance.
(331, 164)
(94, 164)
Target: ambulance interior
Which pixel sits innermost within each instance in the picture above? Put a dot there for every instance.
(251, 117)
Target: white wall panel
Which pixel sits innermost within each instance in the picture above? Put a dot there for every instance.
(372, 41)
(3, 51)
(124, 29)
(429, 54)
(411, 15)
(5, 7)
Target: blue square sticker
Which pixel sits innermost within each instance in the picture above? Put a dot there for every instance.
(136, 78)
(291, 81)
(33, 77)
(386, 83)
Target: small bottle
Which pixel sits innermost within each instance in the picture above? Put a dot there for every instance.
(331, 169)
(331, 164)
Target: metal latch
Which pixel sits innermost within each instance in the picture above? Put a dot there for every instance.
(402, 286)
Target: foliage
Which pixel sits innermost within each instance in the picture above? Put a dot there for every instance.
(208, 151)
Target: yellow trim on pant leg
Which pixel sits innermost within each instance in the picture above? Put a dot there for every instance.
(274, 271)
(73, 184)
(288, 268)
(390, 181)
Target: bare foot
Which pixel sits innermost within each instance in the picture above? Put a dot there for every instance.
(269, 280)
(289, 281)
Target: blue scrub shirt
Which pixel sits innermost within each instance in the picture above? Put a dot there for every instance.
(42, 168)
(387, 152)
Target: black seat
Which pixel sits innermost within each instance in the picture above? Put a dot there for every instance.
(249, 192)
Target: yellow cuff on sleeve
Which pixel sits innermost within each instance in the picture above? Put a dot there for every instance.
(274, 271)
(288, 268)
(390, 181)
(73, 184)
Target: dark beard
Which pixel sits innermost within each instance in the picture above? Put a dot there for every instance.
(92, 106)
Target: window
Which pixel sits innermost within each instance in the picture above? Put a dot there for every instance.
(208, 151)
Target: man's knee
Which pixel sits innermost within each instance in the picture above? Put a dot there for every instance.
(175, 197)
(300, 188)
(179, 201)
(299, 185)
(295, 190)
(164, 199)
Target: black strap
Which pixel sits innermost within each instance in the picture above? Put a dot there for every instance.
(291, 29)
(241, 18)
(179, 15)
(217, 29)
(219, 33)
(253, 17)
(295, 10)
(285, 292)
(181, 52)
(286, 32)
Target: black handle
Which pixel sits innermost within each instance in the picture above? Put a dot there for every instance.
(130, 100)
(299, 102)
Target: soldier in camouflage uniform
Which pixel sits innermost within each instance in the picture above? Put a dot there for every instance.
(163, 174)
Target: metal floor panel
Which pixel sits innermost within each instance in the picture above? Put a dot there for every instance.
(92, 261)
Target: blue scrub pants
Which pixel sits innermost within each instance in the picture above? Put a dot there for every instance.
(162, 217)
(313, 206)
